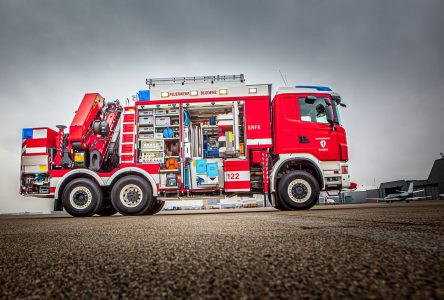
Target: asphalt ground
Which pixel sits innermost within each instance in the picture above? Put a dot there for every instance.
(355, 251)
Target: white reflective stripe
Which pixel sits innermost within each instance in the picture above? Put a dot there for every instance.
(54, 181)
(237, 190)
(39, 133)
(36, 150)
(156, 178)
(237, 176)
(258, 141)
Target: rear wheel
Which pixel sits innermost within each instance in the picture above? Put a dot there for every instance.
(82, 197)
(298, 190)
(131, 195)
(107, 210)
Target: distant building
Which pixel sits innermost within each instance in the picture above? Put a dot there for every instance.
(436, 175)
(433, 186)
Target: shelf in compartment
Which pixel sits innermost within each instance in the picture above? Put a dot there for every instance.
(168, 115)
(144, 125)
(165, 126)
(171, 156)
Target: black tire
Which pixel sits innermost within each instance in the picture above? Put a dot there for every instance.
(298, 190)
(132, 196)
(156, 208)
(279, 205)
(106, 210)
(82, 197)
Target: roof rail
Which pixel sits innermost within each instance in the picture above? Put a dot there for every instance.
(152, 82)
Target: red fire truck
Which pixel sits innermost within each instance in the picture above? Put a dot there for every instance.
(185, 138)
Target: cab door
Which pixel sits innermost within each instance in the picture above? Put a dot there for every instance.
(316, 136)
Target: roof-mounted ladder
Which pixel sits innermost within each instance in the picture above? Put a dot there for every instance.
(152, 82)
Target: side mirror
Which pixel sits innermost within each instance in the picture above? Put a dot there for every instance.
(336, 98)
(310, 99)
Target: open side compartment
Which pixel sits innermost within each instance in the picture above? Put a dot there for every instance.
(158, 141)
(212, 133)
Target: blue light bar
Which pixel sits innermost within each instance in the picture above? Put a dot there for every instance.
(27, 133)
(316, 87)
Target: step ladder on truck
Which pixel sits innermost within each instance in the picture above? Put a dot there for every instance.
(187, 138)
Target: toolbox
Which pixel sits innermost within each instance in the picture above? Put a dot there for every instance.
(163, 121)
(149, 120)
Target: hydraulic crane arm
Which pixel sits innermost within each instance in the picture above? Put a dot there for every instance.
(89, 134)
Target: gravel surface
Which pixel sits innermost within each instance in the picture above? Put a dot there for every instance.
(355, 251)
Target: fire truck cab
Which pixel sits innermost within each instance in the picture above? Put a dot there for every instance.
(190, 138)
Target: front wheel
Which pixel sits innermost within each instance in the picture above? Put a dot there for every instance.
(298, 190)
(82, 197)
(156, 208)
(131, 195)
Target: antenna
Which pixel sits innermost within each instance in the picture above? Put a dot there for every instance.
(284, 79)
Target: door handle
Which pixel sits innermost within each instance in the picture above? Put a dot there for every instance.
(303, 139)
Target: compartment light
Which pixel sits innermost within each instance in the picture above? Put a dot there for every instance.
(223, 92)
(164, 94)
(252, 90)
(194, 93)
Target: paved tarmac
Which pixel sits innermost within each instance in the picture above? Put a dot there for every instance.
(355, 251)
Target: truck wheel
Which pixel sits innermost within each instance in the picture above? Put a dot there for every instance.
(280, 205)
(82, 197)
(131, 195)
(156, 208)
(298, 190)
(107, 210)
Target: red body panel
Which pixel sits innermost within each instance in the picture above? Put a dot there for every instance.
(342, 140)
(36, 146)
(235, 179)
(257, 120)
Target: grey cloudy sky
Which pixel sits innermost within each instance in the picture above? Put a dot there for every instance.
(384, 57)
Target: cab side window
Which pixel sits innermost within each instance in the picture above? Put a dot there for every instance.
(315, 112)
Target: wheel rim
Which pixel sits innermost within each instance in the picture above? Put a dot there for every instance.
(131, 195)
(80, 197)
(299, 190)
